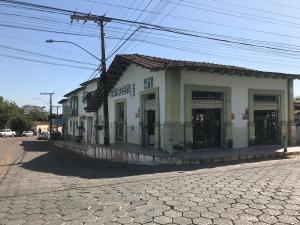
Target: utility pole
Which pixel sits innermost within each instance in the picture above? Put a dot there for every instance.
(50, 103)
(57, 107)
(100, 21)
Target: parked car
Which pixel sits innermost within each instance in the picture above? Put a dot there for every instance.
(7, 133)
(43, 136)
(27, 133)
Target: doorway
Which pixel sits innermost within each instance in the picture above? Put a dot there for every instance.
(149, 118)
(266, 123)
(89, 131)
(150, 127)
(207, 126)
(120, 122)
(266, 120)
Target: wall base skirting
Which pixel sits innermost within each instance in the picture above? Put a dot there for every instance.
(111, 153)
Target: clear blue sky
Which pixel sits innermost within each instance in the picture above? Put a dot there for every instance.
(262, 20)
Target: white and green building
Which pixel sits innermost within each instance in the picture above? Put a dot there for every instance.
(173, 105)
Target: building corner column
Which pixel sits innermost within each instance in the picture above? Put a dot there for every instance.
(171, 129)
(291, 116)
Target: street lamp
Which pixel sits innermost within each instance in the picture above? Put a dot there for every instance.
(104, 78)
(50, 41)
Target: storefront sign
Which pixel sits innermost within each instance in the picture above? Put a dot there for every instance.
(121, 90)
(245, 115)
(148, 83)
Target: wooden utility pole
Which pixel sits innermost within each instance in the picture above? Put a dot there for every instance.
(100, 21)
(50, 110)
(57, 107)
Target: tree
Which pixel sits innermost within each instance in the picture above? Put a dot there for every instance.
(20, 123)
(36, 113)
(7, 111)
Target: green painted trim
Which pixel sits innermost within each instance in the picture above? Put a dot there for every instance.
(292, 139)
(282, 121)
(171, 129)
(227, 132)
(157, 116)
(172, 95)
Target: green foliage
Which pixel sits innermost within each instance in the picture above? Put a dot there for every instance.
(36, 113)
(20, 123)
(7, 111)
(15, 118)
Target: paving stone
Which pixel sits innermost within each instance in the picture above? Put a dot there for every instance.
(222, 221)
(288, 219)
(191, 214)
(143, 219)
(68, 193)
(202, 221)
(172, 213)
(163, 220)
(268, 219)
(182, 220)
(210, 215)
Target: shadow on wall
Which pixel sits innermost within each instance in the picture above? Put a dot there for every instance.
(60, 162)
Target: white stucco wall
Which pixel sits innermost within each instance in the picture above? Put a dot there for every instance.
(88, 88)
(135, 75)
(239, 88)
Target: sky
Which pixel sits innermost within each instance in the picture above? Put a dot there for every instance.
(273, 23)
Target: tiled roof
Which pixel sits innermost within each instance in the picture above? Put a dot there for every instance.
(156, 64)
(63, 101)
(73, 92)
(89, 81)
(121, 62)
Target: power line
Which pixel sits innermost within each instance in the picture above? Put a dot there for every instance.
(47, 30)
(206, 22)
(256, 9)
(44, 62)
(141, 13)
(281, 4)
(43, 55)
(188, 33)
(236, 14)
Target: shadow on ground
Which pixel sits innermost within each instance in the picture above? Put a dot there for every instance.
(61, 162)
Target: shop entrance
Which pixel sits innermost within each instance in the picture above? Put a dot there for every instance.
(120, 122)
(207, 119)
(206, 128)
(150, 129)
(149, 118)
(266, 120)
(266, 127)
(89, 134)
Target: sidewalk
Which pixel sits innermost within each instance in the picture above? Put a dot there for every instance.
(131, 153)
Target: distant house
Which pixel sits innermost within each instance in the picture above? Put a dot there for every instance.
(173, 105)
(38, 126)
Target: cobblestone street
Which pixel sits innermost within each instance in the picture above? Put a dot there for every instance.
(40, 186)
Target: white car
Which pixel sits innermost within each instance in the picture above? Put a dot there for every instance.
(43, 136)
(7, 133)
(27, 133)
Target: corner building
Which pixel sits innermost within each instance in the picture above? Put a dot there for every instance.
(174, 105)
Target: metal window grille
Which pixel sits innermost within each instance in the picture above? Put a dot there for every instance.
(206, 99)
(150, 101)
(266, 102)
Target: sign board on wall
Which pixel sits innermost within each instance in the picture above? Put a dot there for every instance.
(120, 91)
(148, 83)
(245, 115)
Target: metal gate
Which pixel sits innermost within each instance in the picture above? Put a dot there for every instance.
(207, 108)
(266, 120)
(149, 118)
